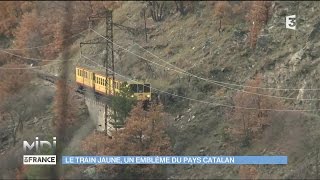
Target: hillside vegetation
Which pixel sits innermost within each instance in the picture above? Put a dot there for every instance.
(195, 51)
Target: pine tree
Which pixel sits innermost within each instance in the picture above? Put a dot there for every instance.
(122, 104)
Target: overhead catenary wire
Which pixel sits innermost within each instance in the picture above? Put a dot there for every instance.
(279, 97)
(164, 67)
(231, 84)
(207, 102)
(187, 73)
(191, 99)
(238, 85)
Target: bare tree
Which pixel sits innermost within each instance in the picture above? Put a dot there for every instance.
(156, 10)
(17, 109)
(143, 14)
(222, 10)
(253, 122)
(258, 17)
(180, 7)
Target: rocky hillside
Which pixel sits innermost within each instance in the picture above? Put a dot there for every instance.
(286, 59)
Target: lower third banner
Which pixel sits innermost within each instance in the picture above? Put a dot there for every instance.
(174, 159)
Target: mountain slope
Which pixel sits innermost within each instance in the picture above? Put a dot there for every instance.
(285, 58)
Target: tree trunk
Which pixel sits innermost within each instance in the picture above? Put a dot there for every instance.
(177, 5)
(244, 125)
(180, 7)
(156, 10)
(145, 25)
(317, 163)
(91, 7)
(220, 27)
(14, 136)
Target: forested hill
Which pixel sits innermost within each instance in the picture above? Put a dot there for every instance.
(234, 80)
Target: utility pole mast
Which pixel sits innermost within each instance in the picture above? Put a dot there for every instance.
(109, 55)
(108, 61)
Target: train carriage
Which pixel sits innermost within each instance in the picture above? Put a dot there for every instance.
(89, 77)
(141, 90)
(84, 77)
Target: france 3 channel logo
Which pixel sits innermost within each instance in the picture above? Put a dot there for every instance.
(36, 147)
(291, 22)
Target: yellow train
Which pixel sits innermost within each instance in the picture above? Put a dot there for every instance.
(88, 77)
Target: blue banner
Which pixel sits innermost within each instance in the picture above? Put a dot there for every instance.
(174, 159)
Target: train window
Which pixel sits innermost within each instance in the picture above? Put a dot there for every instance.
(104, 83)
(140, 88)
(134, 88)
(146, 88)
